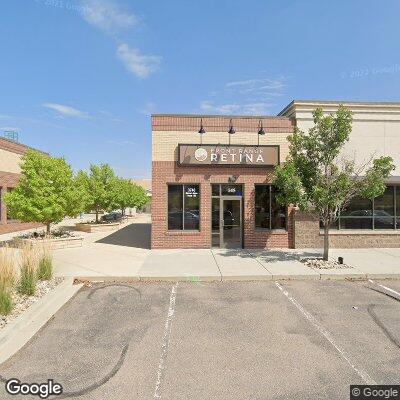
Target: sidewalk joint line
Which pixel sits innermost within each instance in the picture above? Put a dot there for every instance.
(259, 262)
(216, 263)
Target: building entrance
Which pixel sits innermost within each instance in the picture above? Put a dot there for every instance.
(227, 226)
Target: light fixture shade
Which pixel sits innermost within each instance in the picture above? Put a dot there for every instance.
(231, 128)
(261, 130)
(201, 130)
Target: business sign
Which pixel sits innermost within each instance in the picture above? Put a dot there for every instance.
(220, 154)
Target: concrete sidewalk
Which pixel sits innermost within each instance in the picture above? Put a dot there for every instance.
(125, 255)
(119, 256)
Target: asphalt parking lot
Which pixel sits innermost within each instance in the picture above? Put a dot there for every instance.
(254, 340)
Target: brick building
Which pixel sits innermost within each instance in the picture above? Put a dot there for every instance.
(212, 180)
(10, 157)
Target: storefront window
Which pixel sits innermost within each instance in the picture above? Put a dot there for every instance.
(379, 213)
(269, 214)
(183, 207)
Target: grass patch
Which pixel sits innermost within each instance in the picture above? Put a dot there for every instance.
(28, 269)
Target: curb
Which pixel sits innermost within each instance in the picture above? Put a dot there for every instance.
(20, 331)
(240, 278)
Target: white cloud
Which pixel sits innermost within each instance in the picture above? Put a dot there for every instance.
(148, 109)
(142, 65)
(8, 128)
(252, 96)
(258, 108)
(66, 111)
(107, 15)
(264, 87)
(110, 116)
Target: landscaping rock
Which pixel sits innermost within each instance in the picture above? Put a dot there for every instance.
(22, 302)
(319, 263)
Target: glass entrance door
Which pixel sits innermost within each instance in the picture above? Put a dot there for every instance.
(231, 223)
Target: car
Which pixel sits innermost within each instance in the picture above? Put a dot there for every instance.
(112, 217)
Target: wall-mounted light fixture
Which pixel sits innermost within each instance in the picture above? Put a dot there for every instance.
(232, 179)
(202, 131)
(261, 131)
(231, 130)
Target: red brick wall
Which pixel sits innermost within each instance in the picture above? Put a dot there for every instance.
(187, 123)
(165, 172)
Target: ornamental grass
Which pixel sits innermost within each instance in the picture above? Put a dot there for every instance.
(7, 280)
(30, 256)
(45, 265)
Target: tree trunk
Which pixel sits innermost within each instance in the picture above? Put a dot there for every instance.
(326, 242)
(48, 224)
(97, 216)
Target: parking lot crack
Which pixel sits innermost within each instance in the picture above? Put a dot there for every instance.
(381, 325)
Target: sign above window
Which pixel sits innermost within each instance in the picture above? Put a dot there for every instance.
(219, 154)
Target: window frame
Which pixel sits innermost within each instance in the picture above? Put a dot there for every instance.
(270, 229)
(395, 217)
(183, 207)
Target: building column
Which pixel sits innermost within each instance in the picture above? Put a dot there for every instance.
(3, 210)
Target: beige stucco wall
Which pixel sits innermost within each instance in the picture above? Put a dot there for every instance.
(9, 162)
(376, 129)
(165, 143)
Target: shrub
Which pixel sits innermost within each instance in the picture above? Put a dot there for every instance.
(7, 279)
(28, 270)
(45, 268)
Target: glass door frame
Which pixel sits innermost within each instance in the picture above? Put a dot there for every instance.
(221, 222)
(221, 198)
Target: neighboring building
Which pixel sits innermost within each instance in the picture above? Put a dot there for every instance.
(376, 132)
(214, 189)
(10, 157)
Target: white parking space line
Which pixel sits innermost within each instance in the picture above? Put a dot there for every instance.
(328, 336)
(165, 342)
(384, 287)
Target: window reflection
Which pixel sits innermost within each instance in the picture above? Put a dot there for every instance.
(269, 213)
(380, 213)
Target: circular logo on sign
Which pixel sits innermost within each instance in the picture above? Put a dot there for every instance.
(200, 154)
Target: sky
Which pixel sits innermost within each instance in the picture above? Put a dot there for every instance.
(80, 78)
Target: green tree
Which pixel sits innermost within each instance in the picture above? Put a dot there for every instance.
(47, 191)
(316, 179)
(139, 196)
(127, 194)
(99, 186)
